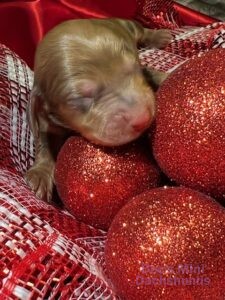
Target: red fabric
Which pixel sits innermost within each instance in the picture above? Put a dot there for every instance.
(190, 17)
(23, 23)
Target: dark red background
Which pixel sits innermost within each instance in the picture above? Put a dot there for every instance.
(23, 23)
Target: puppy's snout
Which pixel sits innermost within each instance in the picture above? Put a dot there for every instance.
(141, 122)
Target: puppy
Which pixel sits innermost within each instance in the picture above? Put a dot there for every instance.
(88, 79)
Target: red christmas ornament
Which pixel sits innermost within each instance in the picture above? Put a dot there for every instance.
(189, 140)
(95, 182)
(168, 243)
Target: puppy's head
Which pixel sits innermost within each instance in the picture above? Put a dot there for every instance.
(109, 103)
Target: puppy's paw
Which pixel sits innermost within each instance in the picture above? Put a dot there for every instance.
(161, 38)
(40, 181)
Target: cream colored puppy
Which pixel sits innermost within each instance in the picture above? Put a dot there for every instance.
(88, 79)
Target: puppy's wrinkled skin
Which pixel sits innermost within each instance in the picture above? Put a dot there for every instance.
(88, 79)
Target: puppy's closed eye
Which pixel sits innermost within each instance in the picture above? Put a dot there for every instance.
(80, 104)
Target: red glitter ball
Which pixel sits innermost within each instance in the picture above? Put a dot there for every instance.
(189, 139)
(168, 243)
(95, 182)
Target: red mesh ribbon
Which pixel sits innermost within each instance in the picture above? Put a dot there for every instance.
(168, 14)
(218, 39)
(187, 42)
(44, 252)
(157, 14)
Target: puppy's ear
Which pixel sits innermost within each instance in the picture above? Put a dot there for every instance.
(154, 78)
(33, 112)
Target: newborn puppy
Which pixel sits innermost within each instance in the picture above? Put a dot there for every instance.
(88, 79)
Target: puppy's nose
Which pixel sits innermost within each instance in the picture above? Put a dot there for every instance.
(141, 122)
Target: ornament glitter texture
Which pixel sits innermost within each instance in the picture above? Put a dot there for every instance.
(168, 243)
(189, 139)
(95, 182)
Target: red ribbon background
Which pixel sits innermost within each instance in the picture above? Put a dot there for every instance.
(23, 23)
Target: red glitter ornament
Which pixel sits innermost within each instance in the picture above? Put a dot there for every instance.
(95, 182)
(189, 139)
(168, 243)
